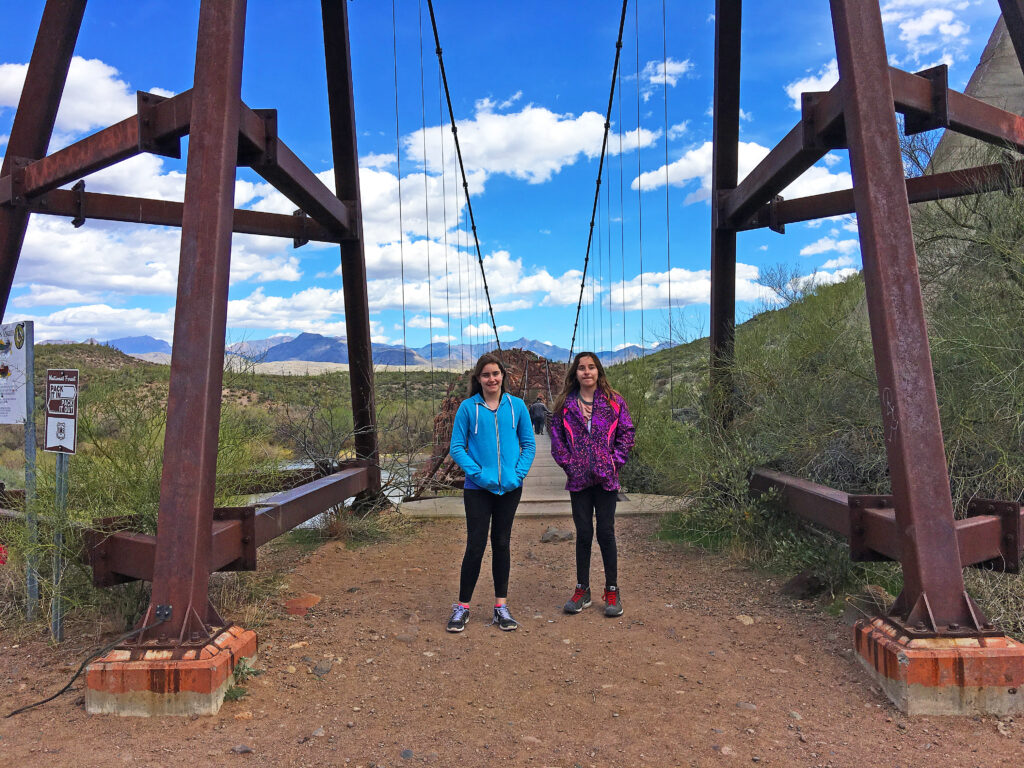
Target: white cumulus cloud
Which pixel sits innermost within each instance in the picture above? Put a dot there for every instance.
(826, 77)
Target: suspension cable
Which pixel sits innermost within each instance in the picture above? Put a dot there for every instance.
(600, 171)
(462, 168)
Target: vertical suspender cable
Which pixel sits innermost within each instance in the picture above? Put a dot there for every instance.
(600, 271)
(463, 301)
(594, 322)
(600, 172)
(639, 184)
(401, 225)
(426, 213)
(462, 167)
(622, 220)
(444, 224)
(668, 228)
(607, 209)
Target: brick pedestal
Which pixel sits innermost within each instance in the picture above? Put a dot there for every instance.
(943, 676)
(158, 684)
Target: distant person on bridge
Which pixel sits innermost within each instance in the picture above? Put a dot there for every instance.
(492, 442)
(591, 434)
(539, 414)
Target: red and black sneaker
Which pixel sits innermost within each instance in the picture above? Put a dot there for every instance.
(612, 602)
(580, 599)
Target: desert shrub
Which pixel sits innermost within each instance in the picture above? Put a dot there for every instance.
(115, 477)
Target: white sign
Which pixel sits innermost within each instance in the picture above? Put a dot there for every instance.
(61, 411)
(13, 379)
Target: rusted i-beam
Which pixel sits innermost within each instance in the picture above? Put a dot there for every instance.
(168, 213)
(990, 536)
(724, 175)
(353, 264)
(927, 103)
(34, 120)
(933, 590)
(124, 556)
(920, 189)
(181, 570)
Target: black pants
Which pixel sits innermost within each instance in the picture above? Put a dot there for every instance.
(487, 510)
(587, 503)
(538, 426)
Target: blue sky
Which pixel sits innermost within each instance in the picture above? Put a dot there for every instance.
(529, 85)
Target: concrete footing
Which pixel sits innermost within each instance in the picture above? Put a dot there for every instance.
(943, 676)
(158, 684)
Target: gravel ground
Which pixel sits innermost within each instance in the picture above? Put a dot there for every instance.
(707, 666)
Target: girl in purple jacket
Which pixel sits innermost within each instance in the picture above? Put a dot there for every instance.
(591, 434)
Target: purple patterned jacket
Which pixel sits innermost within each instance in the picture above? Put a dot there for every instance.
(592, 457)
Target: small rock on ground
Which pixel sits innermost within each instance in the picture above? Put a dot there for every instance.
(555, 534)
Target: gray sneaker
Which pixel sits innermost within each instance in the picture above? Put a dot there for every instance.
(504, 619)
(460, 616)
(580, 599)
(612, 602)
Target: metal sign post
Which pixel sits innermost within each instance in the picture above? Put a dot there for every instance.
(61, 438)
(17, 405)
(56, 603)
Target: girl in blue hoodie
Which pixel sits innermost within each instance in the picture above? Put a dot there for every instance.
(492, 440)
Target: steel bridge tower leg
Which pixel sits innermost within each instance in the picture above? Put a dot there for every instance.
(933, 591)
(181, 572)
(341, 103)
(724, 171)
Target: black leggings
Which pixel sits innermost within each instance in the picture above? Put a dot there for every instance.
(585, 504)
(485, 509)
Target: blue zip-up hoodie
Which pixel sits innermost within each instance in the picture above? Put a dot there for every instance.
(494, 448)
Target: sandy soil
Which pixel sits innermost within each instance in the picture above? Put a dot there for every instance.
(708, 666)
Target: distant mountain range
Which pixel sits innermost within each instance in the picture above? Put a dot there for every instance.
(313, 347)
(139, 345)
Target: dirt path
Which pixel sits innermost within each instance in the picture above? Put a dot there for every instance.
(678, 680)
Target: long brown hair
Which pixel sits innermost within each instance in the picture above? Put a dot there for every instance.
(572, 384)
(474, 378)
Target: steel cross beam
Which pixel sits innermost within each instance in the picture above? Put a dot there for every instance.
(925, 101)
(81, 205)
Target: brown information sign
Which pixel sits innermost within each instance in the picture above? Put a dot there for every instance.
(61, 410)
